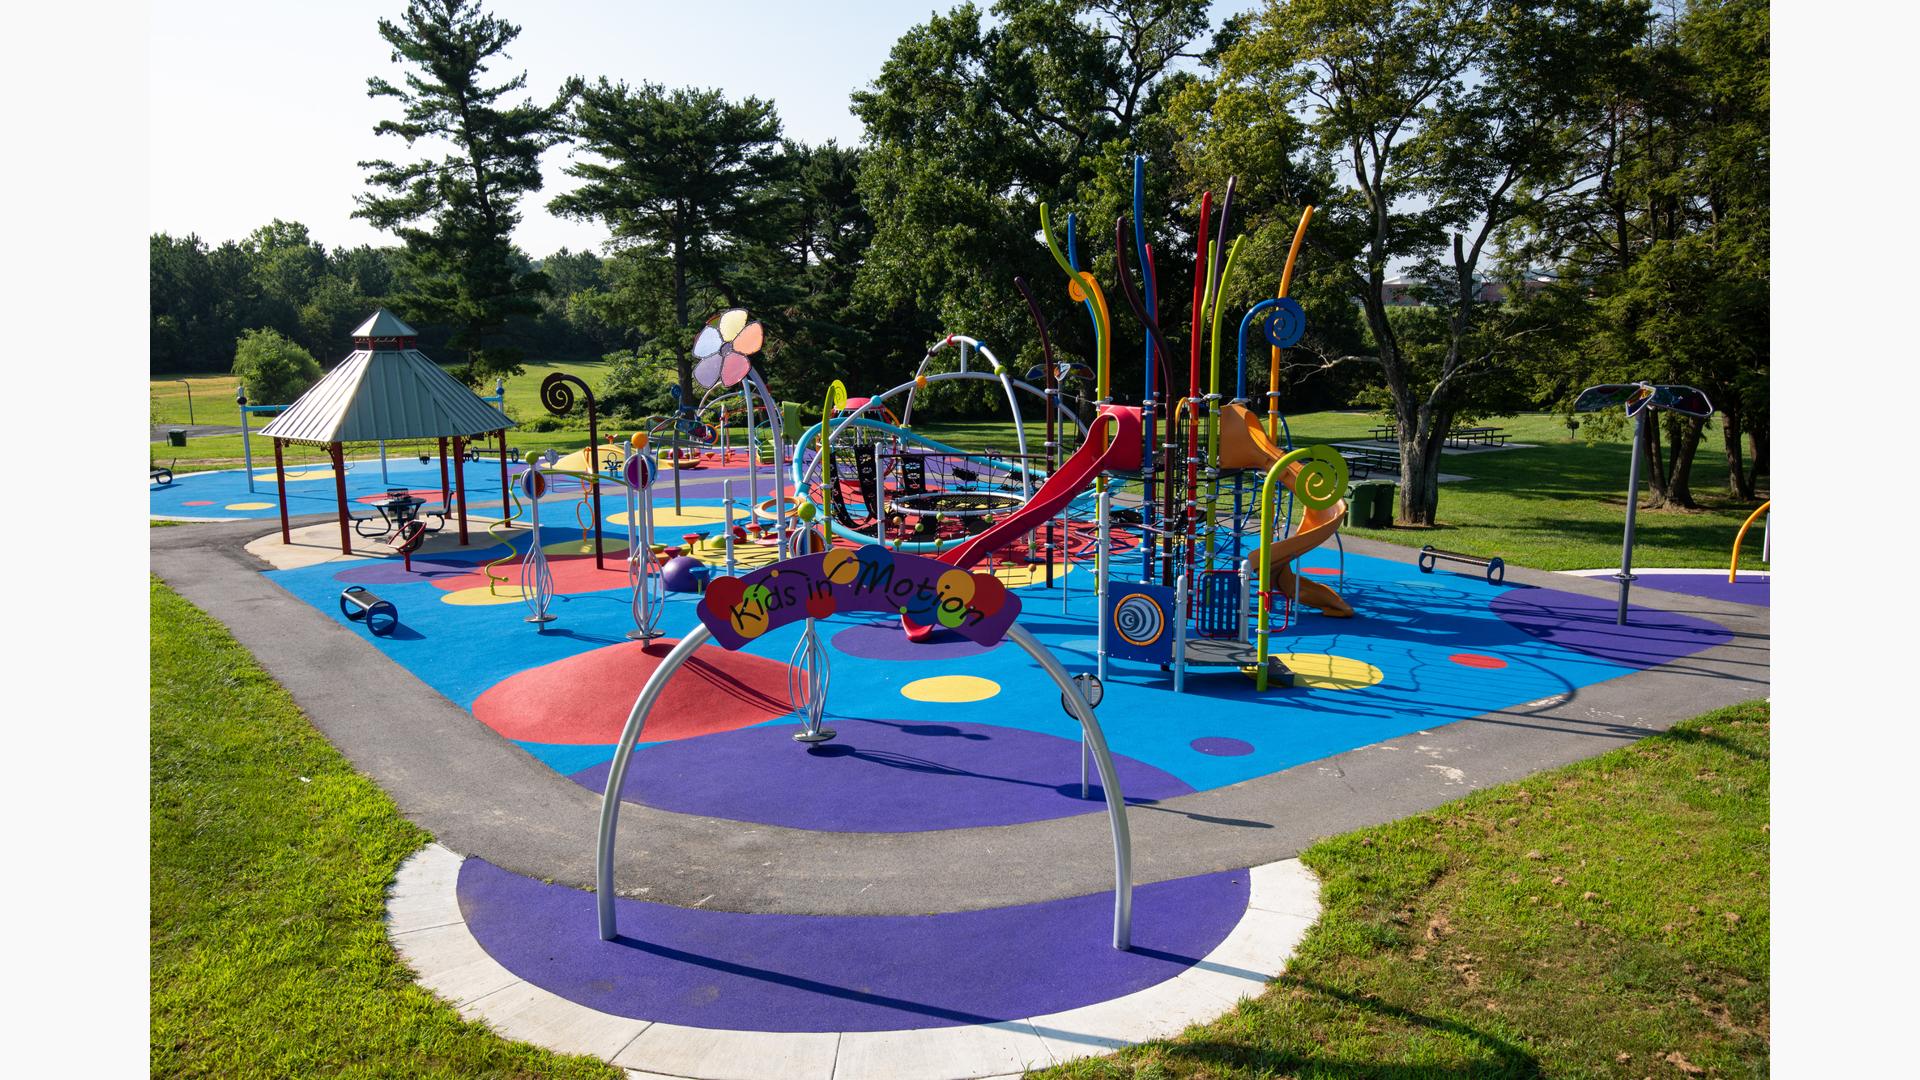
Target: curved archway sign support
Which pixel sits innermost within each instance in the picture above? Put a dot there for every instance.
(736, 610)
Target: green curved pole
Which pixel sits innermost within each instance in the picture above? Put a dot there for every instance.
(1309, 498)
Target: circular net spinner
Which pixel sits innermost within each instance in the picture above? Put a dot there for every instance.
(957, 503)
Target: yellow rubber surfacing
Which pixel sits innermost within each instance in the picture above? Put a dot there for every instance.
(1324, 671)
(951, 689)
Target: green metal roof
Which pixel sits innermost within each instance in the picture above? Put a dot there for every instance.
(384, 324)
(390, 394)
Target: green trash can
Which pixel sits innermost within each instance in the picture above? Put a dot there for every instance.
(176, 437)
(1359, 503)
(1380, 513)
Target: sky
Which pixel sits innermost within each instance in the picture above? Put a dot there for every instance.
(259, 110)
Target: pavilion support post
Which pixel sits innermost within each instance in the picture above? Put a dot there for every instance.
(338, 454)
(460, 483)
(504, 515)
(446, 488)
(280, 484)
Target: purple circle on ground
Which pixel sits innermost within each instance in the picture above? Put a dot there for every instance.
(1585, 624)
(722, 969)
(877, 776)
(887, 641)
(1712, 585)
(1221, 746)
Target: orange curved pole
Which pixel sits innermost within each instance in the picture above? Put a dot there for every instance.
(1273, 365)
(1733, 568)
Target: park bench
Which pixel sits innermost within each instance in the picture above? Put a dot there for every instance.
(475, 453)
(360, 605)
(1495, 568)
(160, 475)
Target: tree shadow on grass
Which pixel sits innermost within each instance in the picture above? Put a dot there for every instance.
(1507, 1059)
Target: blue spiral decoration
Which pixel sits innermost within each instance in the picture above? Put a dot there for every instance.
(1285, 324)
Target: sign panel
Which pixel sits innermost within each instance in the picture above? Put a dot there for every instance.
(1140, 622)
(816, 585)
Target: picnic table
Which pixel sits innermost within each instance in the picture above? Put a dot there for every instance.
(1477, 436)
(395, 511)
(1384, 432)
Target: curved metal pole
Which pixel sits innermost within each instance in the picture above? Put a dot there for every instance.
(1019, 635)
(1109, 782)
(1733, 567)
(610, 800)
(779, 450)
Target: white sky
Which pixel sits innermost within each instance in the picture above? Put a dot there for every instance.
(259, 110)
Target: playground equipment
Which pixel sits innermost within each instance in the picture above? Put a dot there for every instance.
(737, 610)
(1204, 579)
(1494, 568)
(918, 494)
(360, 605)
(1638, 398)
(1766, 539)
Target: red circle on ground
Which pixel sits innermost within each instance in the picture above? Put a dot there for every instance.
(1329, 571)
(198, 502)
(1468, 659)
(584, 700)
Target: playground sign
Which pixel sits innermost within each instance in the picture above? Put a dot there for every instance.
(816, 585)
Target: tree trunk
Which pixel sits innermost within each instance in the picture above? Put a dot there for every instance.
(1758, 436)
(1653, 463)
(1686, 441)
(1420, 464)
(1730, 435)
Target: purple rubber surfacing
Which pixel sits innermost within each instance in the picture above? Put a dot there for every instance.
(748, 972)
(1712, 585)
(884, 641)
(1585, 624)
(877, 776)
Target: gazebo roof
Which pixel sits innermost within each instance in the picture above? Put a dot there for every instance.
(384, 324)
(390, 394)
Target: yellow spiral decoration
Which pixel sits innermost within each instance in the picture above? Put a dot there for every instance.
(1322, 480)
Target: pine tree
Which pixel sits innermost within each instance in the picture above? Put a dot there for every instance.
(457, 213)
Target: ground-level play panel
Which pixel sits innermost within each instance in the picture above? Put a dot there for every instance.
(953, 734)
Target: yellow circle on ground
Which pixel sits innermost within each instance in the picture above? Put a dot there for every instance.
(1324, 671)
(482, 595)
(692, 515)
(323, 473)
(584, 546)
(951, 688)
(250, 506)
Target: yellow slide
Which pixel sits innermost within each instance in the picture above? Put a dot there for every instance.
(1244, 445)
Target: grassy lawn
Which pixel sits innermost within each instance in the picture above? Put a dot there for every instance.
(1609, 919)
(270, 861)
(213, 404)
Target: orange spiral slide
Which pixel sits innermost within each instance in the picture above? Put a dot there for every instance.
(1244, 445)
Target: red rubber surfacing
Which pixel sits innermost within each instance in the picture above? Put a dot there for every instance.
(584, 700)
(1478, 660)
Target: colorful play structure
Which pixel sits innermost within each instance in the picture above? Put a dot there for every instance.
(1209, 575)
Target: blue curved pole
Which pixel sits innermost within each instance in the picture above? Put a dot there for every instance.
(1147, 462)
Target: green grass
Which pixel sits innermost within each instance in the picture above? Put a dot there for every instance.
(270, 861)
(213, 404)
(1558, 505)
(1609, 919)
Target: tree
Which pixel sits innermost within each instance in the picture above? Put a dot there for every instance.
(1447, 119)
(274, 370)
(464, 268)
(679, 177)
(1669, 248)
(977, 119)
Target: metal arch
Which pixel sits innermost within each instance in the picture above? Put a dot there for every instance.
(1090, 729)
(802, 475)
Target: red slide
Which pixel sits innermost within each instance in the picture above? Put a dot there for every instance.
(1076, 474)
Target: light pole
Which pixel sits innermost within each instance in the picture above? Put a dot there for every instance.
(189, 387)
